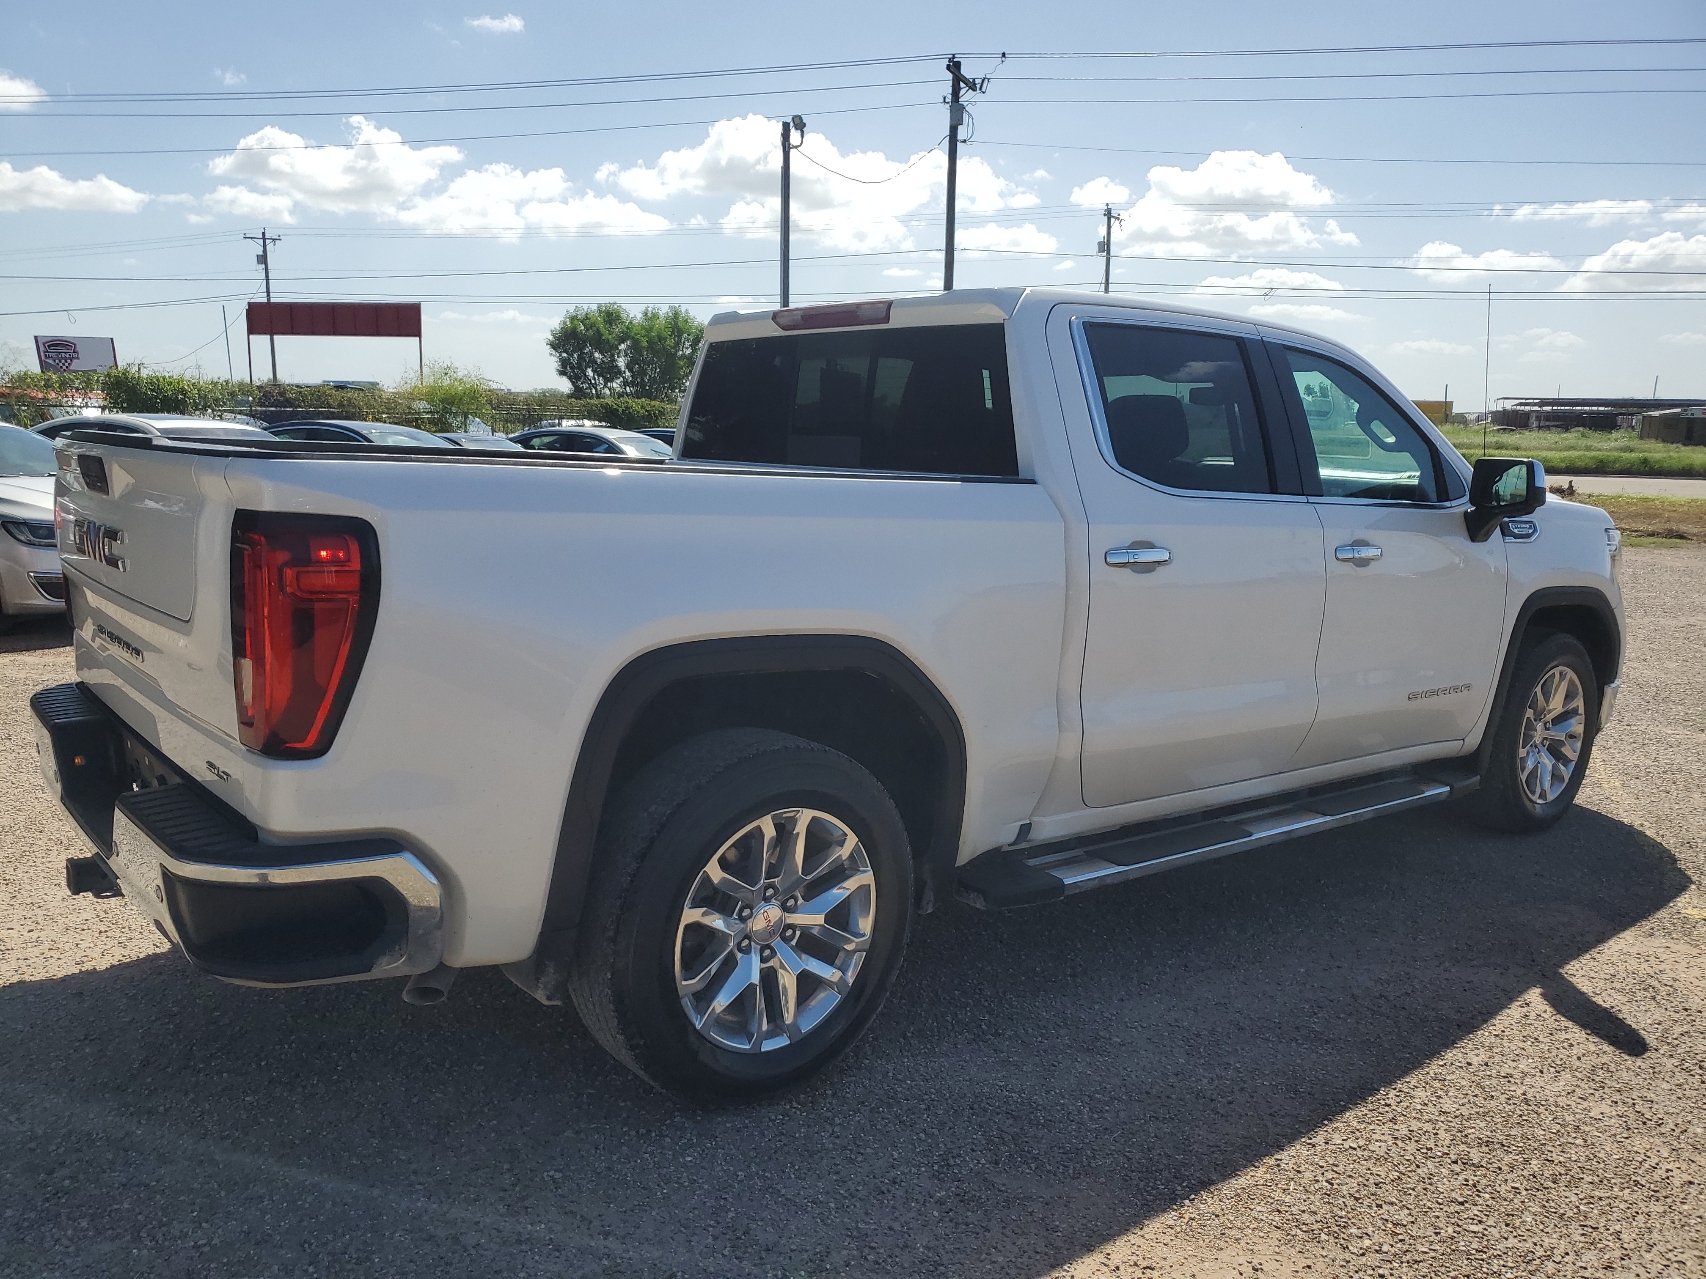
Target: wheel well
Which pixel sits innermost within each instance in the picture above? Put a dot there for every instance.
(1587, 625)
(854, 694)
(857, 712)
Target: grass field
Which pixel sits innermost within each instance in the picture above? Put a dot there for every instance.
(1584, 452)
(1654, 521)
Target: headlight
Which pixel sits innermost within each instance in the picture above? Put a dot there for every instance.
(30, 532)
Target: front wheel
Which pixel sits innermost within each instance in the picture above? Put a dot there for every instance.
(747, 915)
(1543, 739)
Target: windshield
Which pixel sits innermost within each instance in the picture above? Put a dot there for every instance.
(642, 445)
(24, 452)
(488, 442)
(405, 435)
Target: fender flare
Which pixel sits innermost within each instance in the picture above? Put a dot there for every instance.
(544, 973)
(1590, 597)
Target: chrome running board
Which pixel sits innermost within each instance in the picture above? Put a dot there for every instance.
(1008, 877)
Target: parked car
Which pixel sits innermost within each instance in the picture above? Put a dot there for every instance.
(1006, 593)
(30, 579)
(590, 438)
(469, 440)
(337, 431)
(170, 425)
(663, 435)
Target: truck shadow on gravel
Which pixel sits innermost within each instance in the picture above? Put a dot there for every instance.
(1039, 1083)
(27, 635)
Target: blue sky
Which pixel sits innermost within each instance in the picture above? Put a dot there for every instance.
(1378, 212)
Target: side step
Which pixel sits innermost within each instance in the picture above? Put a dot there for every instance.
(1009, 877)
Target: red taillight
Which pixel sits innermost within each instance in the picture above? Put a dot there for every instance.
(304, 589)
(836, 315)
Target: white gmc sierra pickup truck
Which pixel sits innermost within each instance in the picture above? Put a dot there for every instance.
(1007, 594)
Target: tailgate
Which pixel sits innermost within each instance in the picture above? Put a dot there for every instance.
(144, 536)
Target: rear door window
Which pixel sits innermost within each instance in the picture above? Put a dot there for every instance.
(1179, 408)
(931, 399)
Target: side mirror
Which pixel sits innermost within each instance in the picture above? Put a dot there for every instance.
(1207, 395)
(1503, 488)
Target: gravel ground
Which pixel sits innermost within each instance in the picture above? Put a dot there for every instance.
(1406, 1048)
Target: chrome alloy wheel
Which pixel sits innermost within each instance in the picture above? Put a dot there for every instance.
(1551, 740)
(775, 930)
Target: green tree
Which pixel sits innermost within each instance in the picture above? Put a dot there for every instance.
(659, 356)
(451, 395)
(588, 343)
(605, 351)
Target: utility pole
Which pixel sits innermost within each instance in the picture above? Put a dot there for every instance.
(956, 117)
(230, 373)
(263, 258)
(1106, 247)
(788, 148)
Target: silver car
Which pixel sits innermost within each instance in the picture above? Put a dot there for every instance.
(591, 439)
(31, 583)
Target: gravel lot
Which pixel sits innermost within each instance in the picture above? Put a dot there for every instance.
(1406, 1048)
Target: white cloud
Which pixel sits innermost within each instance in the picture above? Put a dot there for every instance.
(1269, 279)
(1307, 312)
(1100, 191)
(1669, 253)
(1544, 346)
(498, 317)
(853, 201)
(19, 94)
(1439, 260)
(381, 175)
(509, 24)
(1431, 346)
(1233, 202)
(1038, 175)
(902, 273)
(1066, 265)
(500, 197)
(374, 174)
(1695, 212)
(1685, 339)
(1593, 212)
(230, 79)
(45, 188)
(1005, 239)
(244, 203)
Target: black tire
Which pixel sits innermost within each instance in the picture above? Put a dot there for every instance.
(656, 838)
(1502, 802)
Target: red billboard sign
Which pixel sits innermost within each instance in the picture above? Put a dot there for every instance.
(335, 319)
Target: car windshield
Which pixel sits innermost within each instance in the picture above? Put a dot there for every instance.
(642, 445)
(488, 442)
(24, 452)
(405, 435)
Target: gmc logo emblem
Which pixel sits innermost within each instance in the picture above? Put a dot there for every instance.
(98, 542)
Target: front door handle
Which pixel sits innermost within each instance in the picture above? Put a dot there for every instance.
(1356, 554)
(1137, 556)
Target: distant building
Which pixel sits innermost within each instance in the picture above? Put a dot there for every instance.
(1582, 415)
(1674, 426)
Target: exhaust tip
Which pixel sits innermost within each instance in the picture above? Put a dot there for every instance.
(427, 989)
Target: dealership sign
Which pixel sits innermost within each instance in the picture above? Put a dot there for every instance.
(75, 355)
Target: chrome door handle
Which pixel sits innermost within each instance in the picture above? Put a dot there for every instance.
(1135, 556)
(1356, 554)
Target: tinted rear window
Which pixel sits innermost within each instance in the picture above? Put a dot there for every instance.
(925, 399)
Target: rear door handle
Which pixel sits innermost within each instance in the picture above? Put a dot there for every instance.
(1356, 554)
(1134, 556)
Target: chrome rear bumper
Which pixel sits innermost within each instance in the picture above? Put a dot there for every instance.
(247, 911)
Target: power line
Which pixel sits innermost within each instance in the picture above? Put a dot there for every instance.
(1361, 159)
(656, 77)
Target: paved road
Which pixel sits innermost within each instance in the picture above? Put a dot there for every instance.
(1632, 484)
(1406, 1048)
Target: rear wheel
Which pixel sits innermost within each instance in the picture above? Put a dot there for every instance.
(747, 916)
(1543, 739)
